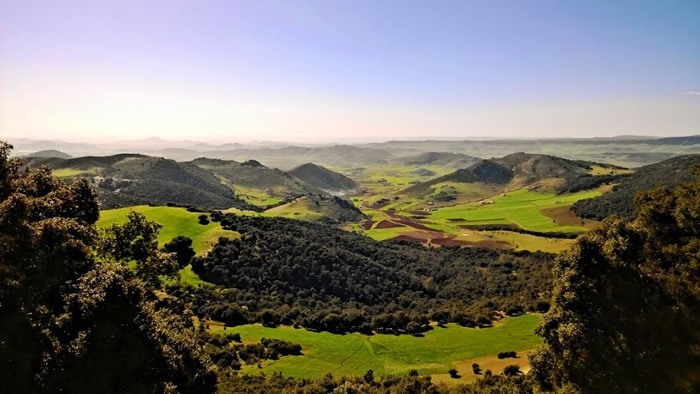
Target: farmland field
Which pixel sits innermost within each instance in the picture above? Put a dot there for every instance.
(522, 207)
(434, 354)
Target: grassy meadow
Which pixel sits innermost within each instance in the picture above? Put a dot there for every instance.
(175, 221)
(434, 354)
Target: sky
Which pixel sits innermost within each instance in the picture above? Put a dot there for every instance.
(334, 70)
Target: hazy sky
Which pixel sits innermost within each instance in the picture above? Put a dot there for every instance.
(339, 70)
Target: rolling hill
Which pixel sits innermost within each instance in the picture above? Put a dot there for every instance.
(512, 172)
(318, 207)
(444, 159)
(127, 179)
(621, 199)
(256, 183)
(324, 179)
(50, 153)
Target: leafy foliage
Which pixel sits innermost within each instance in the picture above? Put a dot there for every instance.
(620, 200)
(319, 277)
(626, 301)
(73, 319)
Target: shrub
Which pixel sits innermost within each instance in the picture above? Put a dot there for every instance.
(476, 369)
(511, 370)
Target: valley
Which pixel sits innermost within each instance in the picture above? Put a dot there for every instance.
(425, 266)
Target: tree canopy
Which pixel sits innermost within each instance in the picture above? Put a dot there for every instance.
(74, 316)
(626, 301)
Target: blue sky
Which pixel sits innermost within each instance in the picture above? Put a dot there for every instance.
(348, 70)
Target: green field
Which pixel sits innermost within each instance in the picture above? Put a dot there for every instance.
(73, 172)
(521, 207)
(435, 353)
(175, 221)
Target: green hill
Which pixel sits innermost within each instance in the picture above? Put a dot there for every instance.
(515, 171)
(256, 183)
(318, 207)
(128, 179)
(323, 178)
(621, 199)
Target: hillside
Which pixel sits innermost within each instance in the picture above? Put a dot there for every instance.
(318, 207)
(127, 179)
(50, 153)
(444, 159)
(515, 171)
(621, 199)
(255, 182)
(350, 283)
(323, 178)
(529, 168)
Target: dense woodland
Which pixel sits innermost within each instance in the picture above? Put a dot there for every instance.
(316, 276)
(620, 200)
(83, 310)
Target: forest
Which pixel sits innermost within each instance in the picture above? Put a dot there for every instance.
(319, 277)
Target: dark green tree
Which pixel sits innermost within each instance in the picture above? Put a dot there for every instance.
(626, 301)
(182, 248)
(72, 319)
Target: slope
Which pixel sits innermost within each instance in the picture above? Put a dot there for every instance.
(323, 178)
(128, 179)
(256, 183)
(621, 199)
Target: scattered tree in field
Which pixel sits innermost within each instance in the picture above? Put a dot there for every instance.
(476, 368)
(511, 370)
(624, 315)
(368, 376)
(203, 220)
(453, 373)
(510, 354)
(182, 248)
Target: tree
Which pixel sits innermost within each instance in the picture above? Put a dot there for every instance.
(476, 368)
(182, 248)
(453, 373)
(73, 319)
(511, 370)
(626, 301)
(369, 376)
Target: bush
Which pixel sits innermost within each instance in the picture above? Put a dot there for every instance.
(476, 369)
(510, 354)
(511, 370)
(453, 373)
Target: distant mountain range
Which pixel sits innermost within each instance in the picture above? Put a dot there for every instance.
(628, 151)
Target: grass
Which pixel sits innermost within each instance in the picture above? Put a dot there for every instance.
(297, 209)
(532, 242)
(175, 222)
(73, 172)
(353, 354)
(521, 207)
(256, 197)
